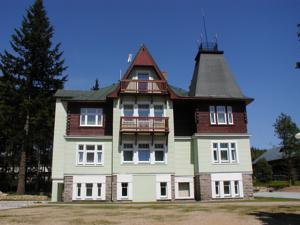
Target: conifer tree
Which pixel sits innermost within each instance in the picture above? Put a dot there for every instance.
(31, 75)
(96, 85)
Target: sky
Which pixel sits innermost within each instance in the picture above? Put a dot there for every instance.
(258, 37)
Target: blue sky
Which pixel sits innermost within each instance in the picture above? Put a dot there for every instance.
(259, 39)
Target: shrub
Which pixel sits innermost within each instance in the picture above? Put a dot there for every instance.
(263, 171)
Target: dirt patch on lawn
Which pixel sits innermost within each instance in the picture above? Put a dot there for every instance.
(154, 214)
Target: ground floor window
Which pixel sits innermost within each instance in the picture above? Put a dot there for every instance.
(184, 189)
(124, 189)
(226, 189)
(163, 189)
(90, 191)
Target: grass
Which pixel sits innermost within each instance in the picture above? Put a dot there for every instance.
(148, 213)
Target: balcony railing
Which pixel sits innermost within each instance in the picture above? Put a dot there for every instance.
(144, 124)
(144, 86)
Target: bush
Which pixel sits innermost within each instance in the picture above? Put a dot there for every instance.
(263, 171)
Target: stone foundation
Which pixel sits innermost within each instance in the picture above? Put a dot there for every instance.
(248, 186)
(68, 189)
(205, 186)
(173, 187)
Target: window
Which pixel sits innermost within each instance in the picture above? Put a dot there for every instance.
(124, 189)
(163, 189)
(233, 152)
(184, 189)
(224, 115)
(143, 110)
(143, 153)
(217, 188)
(236, 188)
(159, 152)
(80, 153)
(230, 115)
(99, 185)
(143, 76)
(78, 190)
(127, 152)
(158, 110)
(89, 189)
(212, 115)
(89, 154)
(227, 191)
(224, 152)
(91, 117)
(215, 152)
(128, 110)
(221, 115)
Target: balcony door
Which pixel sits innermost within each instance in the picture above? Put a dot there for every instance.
(144, 113)
(129, 122)
(143, 84)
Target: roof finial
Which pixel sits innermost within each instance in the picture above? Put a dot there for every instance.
(204, 26)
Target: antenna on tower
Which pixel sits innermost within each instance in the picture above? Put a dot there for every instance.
(204, 26)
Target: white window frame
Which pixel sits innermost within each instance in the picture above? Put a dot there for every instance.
(166, 187)
(99, 112)
(124, 178)
(212, 115)
(232, 178)
(186, 179)
(163, 178)
(96, 151)
(221, 109)
(94, 180)
(230, 115)
(123, 108)
(126, 149)
(229, 151)
(164, 149)
(230, 189)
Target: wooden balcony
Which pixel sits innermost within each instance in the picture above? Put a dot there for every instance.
(144, 86)
(144, 124)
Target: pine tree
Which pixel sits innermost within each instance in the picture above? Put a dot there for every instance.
(96, 86)
(34, 72)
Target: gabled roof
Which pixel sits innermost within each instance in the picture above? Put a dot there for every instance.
(77, 95)
(212, 78)
(270, 155)
(143, 58)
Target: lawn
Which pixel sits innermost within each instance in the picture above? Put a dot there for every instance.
(233, 213)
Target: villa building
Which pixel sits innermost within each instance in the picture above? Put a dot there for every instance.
(144, 140)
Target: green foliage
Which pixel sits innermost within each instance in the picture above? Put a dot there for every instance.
(31, 74)
(96, 85)
(256, 152)
(285, 130)
(263, 171)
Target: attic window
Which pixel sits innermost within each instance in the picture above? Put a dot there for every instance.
(220, 115)
(143, 76)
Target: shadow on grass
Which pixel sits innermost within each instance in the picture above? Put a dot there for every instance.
(277, 218)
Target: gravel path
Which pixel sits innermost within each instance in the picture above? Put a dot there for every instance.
(14, 204)
(294, 195)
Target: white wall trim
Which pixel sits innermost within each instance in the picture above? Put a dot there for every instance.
(189, 180)
(163, 178)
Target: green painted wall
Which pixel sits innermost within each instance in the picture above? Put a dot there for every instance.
(184, 157)
(204, 153)
(70, 166)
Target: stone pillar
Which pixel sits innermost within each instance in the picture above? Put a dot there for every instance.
(247, 186)
(172, 187)
(205, 186)
(68, 188)
(114, 188)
